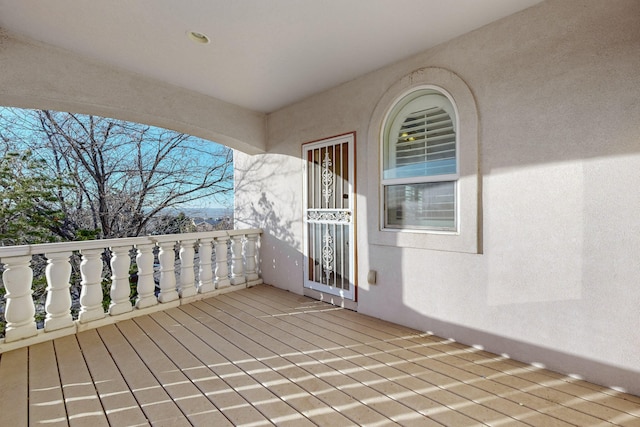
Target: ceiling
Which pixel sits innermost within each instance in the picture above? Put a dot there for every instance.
(262, 54)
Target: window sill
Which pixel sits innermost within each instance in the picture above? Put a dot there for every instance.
(438, 241)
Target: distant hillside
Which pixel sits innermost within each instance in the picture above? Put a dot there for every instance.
(203, 212)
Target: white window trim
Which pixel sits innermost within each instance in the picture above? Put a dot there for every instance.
(421, 179)
(467, 237)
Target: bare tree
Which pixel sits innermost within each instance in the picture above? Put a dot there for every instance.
(121, 174)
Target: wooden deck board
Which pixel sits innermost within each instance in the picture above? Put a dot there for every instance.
(203, 379)
(46, 402)
(323, 364)
(80, 394)
(154, 401)
(14, 387)
(277, 355)
(232, 390)
(199, 410)
(344, 357)
(298, 398)
(263, 356)
(516, 371)
(369, 369)
(117, 399)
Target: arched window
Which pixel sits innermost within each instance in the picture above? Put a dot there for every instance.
(420, 162)
(429, 196)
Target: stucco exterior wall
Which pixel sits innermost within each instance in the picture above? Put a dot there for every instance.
(557, 279)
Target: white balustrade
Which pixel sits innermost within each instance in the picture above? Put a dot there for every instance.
(146, 286)
(58, 303)
(120, 288)
(250, 257)
(222, 268)
(237, 268)
(91, 293)
(187, 275)
(205, 273)
(20, 310)
(166, 257)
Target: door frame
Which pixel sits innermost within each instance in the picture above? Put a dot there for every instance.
(350, 137)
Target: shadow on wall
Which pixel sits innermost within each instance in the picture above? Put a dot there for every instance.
(276, 178)
(262, 174)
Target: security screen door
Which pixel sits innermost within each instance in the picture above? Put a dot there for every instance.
(329, 216)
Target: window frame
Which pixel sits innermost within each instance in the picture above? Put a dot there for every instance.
(468, 236)
(390, 120)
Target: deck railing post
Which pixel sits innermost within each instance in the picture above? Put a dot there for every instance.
(120, 287)
(19, 310)
(166, 257)
(205, 273)
(250, 257)
(237, 267)
(58, 302)
(222, 267)
(187, 274)
(146, 285)
(91, 293)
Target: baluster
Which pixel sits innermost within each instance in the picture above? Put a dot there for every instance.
(187, 274)
(222, 268)
(166, 257)
(250, 257)
(19, 309)
(120, 287)
(237, 269)
(205, 273)
(91, 293)
(146, 285)
(58, 303)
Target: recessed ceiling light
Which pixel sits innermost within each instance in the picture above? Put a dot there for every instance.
(198, 37)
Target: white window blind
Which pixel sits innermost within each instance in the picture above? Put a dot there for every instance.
(426, 144)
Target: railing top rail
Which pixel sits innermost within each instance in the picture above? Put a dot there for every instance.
(43, 248)
(244, 231)
(187, 236)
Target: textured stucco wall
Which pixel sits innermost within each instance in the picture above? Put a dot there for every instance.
(35, 75)
(557, 89)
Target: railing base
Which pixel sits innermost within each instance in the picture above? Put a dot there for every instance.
(41, 336)
(253, 283)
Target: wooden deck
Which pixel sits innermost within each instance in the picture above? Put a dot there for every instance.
(262, 356)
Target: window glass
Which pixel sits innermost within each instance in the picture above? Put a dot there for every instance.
(427, 205)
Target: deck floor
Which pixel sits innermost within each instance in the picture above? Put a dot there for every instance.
(263, 356)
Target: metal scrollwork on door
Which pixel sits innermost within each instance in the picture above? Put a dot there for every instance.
(327, 255)
(334, 216)
(327, 177)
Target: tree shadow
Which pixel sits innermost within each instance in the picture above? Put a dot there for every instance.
(261, 175)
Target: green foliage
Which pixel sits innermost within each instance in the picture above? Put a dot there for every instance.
(27, 212)
(170, 224)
